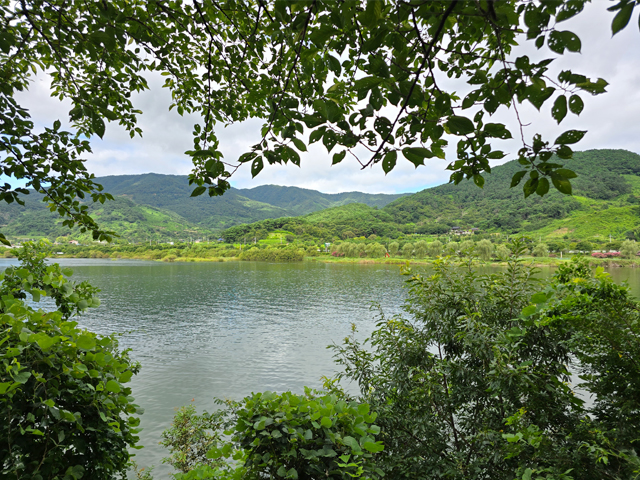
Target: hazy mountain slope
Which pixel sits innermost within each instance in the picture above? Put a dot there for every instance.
(300, 201)
(173, 192)
(131, 221)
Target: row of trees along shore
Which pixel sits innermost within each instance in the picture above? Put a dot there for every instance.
(492, 248)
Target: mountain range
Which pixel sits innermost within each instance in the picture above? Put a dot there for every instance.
(605, 201)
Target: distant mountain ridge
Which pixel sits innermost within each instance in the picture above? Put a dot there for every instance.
(161, 206)
(172, 192)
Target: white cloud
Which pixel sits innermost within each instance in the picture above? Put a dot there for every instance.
(611, 119)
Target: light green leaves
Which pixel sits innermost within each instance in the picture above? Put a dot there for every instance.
(86, 342)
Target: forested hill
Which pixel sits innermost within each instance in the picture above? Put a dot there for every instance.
(603, 175)
(605, 201)
(301, 201)
(172, 192)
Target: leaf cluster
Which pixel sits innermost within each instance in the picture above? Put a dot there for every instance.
(67, 411)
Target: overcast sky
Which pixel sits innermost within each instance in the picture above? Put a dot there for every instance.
(612, 121)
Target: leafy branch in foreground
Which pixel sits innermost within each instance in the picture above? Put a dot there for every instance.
(67, 412)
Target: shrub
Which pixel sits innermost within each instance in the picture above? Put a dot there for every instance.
(190, 437)
(479, 381)
(434, 248)
(629, 249)
(66, 412)
(484, 249)
(540, 250)
(308, 436)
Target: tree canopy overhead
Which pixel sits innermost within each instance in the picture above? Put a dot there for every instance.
(365, 78)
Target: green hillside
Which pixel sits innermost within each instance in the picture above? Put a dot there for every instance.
(131, 221)
(605, 202)
(173, 192)
(605, 177)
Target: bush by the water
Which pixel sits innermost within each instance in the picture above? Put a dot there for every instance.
(287, 254)
(66, 411)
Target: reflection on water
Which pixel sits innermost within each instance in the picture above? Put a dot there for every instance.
(205, 330)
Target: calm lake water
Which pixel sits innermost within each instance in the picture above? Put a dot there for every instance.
(205, 330)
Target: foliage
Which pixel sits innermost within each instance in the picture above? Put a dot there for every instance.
(629, 248)
(484, 249)
(540, 250)
(290, 254)
(481, 380)
(434, 248)
(584, 246)
(190, 437)
(306, 436)
(66, 411)
(335, 71)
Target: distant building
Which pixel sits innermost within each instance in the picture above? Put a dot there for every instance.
(74, 242)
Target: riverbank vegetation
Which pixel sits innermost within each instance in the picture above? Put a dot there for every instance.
(501, 375)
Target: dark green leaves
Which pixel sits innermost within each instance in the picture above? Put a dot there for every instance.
(621, 20)
(558, 41)
(570, 136)
(460, 125)
(389, 161)
(416, 155)
(559, 110)
(256, 166)
(575, 104)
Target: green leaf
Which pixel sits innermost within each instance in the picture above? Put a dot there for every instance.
(565, 172)
(517, 177)
(373, 447)
(543, 187)
(389, 161)
(575, 104)
(539, 298)
(460, 125)
(351, 442)
(45, 342)
(97, 124)
(416, 155)
(559, 109)
(4, 386)
(562, 184)
(299, 144)
(528, 311)
(86, 342)
(338, 157)
(113, 386)
(22, 377)
(570, 136)
(256, 167)
(621, 20)
(478, 180)
(326, 422)
(198, 191)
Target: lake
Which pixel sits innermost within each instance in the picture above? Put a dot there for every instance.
(205, 330)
